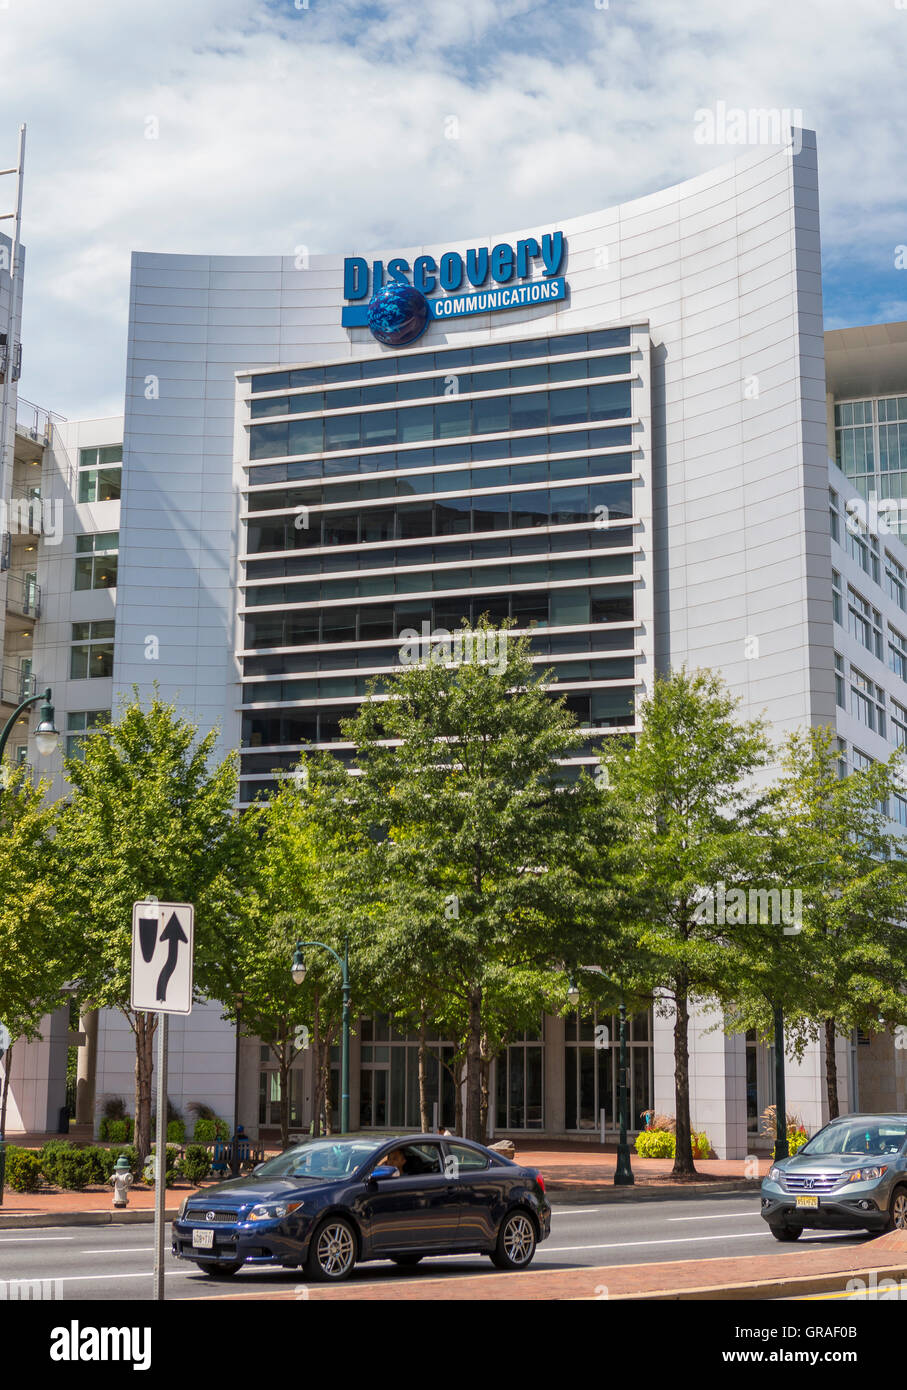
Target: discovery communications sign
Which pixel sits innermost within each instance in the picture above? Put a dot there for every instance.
(402, 305)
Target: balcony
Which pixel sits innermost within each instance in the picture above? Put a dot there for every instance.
(34, 422)
(16, 686)
(23, 597)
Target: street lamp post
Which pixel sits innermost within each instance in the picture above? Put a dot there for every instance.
(299, 974)
(782, 1148)
(46, 738)
(234, 1165)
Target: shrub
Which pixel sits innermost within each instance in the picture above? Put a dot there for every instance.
(176, 1132)
(796, 1138)
(701, 1146)
(50, 1158)
(208, 1129)
(114, 1108)
(195, 1164)
(128, 1152)
(170, 1169)
(655, 1143)
(119, 1131)
(665, 1123)
(23, 1170)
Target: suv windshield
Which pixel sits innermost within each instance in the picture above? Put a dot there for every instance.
(859, 1137)
(322, 1159)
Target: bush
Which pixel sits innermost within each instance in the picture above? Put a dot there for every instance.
(176, 1132)
(796, 1138)
(128, 1152)
(701, 1146)
(23, 1170)
(195, 1164)
(208, 1129)
(119, 1131)
(170, 1169)
(666, 1123)
(655, 1143)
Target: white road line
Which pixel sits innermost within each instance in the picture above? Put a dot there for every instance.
(722, 1216)
(120, 1250)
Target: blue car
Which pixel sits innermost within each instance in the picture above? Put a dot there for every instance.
(328, 1204)
(852, 1175)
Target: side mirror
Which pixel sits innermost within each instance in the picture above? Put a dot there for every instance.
(257, 1169)
(383, 1170)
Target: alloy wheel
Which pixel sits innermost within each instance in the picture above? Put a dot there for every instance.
(899, 1210)
(336, 1250)
(519, 1239)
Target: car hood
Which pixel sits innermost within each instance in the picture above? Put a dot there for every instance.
(830, 1163)
(239, 1191)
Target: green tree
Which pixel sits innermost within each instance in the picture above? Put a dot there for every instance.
(148, 816)
(459, 784)
(848, 865)
(686, 818)
(36, 946)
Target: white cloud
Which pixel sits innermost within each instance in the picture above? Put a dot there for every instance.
(280, 126)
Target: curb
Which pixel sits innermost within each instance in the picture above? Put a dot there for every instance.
(574, 1196)
(138, 1216)
(788, 1287)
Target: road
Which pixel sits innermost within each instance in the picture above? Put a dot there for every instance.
(103, 1262)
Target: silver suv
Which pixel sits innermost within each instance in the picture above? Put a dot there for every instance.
(852, 1175)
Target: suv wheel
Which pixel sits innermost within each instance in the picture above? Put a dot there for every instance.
(786, 1232)
(897, 1212)
(332, 1251)
(516, 1241)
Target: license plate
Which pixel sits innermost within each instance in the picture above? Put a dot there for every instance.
(203, 1240)
(807, 1201)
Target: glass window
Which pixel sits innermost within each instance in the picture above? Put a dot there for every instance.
(91, 653)
(79, 725)
(96, 561)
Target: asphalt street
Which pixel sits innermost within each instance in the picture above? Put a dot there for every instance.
(102, 1262)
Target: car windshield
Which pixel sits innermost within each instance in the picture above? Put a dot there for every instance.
(859, 1137)
(322, 1159)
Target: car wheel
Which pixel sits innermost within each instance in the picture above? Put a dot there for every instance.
(516, 1241)
(786, 1232)
(406, 1260)
(332, 1251)
(221, 1271)
(897, 1212)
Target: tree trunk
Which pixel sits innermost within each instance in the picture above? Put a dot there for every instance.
(473, 1115)
(458, 1097)
(486, 1072)
(425, 1117)
(284, 1072)
(145, 1028)
(7, 1072)
(831, 1069)
(683, 1149)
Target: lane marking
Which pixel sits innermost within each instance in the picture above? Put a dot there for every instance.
(30, 1240)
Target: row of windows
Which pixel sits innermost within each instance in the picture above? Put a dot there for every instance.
(444, 359)
(100, 473)
(452, 384)
(450, 480)
(534, 572)
(496, 547)
(543, 644)
(578, 607)
(456, 516)
(450, 419)
(869, 429)
(475, 451)
(615, 702)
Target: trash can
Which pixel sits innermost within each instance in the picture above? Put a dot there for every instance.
(64, 1120)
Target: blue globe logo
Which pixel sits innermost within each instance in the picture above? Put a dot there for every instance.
(398, 314)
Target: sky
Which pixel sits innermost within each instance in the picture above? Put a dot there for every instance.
(259, 126)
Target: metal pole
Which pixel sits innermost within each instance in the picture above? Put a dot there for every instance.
(623, 1173)
(160, 1161)
(782, 1149)
(345, 1048)
(234, 1166)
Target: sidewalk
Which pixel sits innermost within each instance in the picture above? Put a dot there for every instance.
(750, 1277)
(572, 1172)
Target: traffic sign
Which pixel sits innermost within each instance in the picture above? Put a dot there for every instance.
(162, 957)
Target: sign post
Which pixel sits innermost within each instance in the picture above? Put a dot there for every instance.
(163, 944)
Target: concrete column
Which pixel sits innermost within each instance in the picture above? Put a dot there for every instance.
(87, 1068)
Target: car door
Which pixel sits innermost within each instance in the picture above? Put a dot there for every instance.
(419, 1209)
(482, 1188)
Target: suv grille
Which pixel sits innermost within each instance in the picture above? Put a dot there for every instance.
(201, 1214)
(815, 1182)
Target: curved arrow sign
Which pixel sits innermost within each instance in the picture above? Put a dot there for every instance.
(162, 957)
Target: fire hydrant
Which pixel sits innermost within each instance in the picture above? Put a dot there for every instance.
(121, 1180)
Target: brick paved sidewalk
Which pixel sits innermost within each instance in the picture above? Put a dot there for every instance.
(750, 1276)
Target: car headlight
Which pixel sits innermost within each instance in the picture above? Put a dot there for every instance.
(182, 1211)
(867, 1174)
(272, 1211)
(776, 1174)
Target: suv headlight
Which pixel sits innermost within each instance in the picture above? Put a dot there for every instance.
(776, 1174)
(867, 1174)
(272, 1211)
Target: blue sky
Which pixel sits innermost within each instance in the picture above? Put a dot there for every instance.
(328, 126)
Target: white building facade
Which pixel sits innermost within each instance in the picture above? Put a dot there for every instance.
(616, 429)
